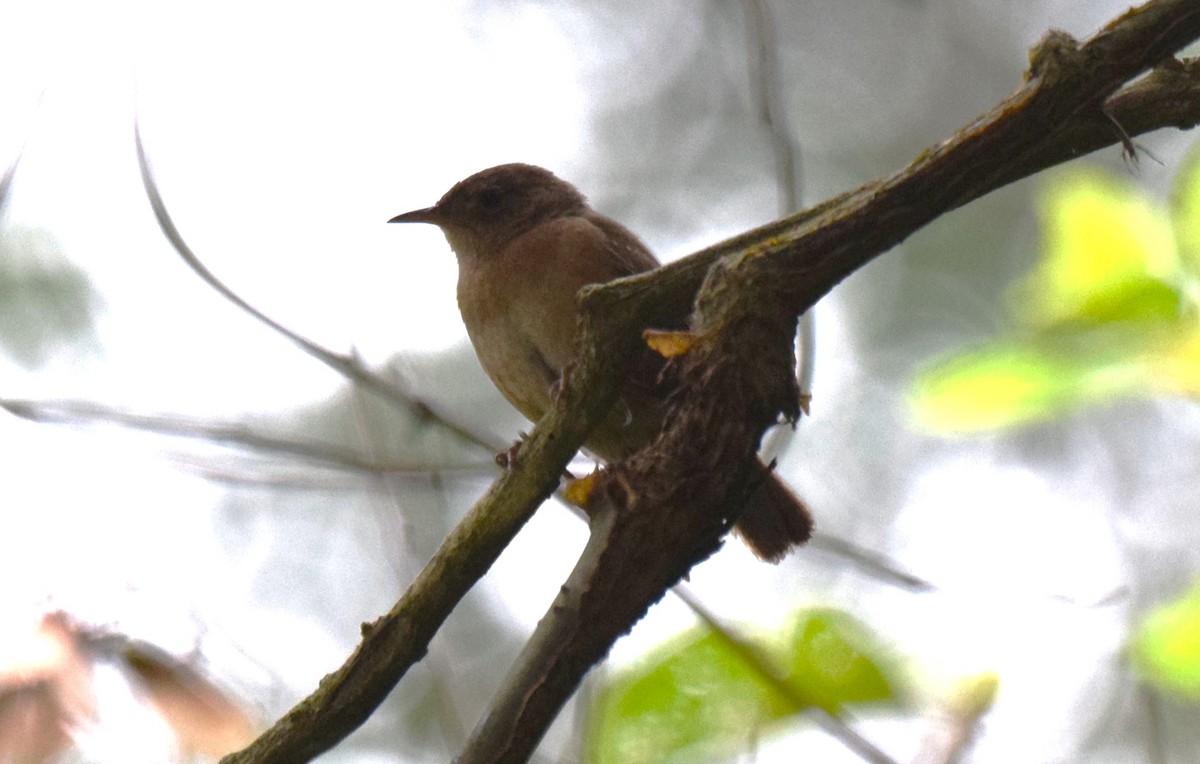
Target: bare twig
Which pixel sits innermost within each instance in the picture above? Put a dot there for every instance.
(772, 110)
(348, 366)
(870, 562)
(788, 180)
(769, 674)
(393, 525)
(173, 425)
(6, 178)
(273, 477)
(74, 412)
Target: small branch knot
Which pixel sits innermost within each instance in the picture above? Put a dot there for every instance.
(1054, 55)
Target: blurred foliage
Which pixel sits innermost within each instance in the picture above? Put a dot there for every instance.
(974, 695)
(46, 303)
(705, 694)
(1110, 311)
(1166, 648)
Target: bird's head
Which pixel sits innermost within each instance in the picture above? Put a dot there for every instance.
(483, 213)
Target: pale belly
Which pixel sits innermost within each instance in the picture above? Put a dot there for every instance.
(515, 366)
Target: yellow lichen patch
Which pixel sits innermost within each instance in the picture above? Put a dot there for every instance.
(579, 492)
(669, 344)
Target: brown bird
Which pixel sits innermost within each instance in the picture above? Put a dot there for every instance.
(526, 243)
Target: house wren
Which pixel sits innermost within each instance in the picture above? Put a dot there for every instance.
(526, 242)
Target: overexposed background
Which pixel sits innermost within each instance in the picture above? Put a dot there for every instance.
(284, 135)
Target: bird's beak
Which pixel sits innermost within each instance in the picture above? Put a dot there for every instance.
(427, 215)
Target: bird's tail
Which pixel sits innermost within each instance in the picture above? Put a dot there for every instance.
(773, 519)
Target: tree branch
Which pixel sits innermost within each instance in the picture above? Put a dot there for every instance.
(86, 412)
(667, 507)
(771, 675)
(744, 318)
(394, 642)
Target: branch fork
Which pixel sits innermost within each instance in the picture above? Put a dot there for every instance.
(743, 296)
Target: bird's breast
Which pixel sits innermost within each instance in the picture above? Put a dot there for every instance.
(518, 304)
(510, 346)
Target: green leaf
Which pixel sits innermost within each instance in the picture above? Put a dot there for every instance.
(1166, 648)
(991, 387)
(1174, 367)
(832, 664)
(703, 695)
(1185, 216)
(1109, 255)
(1110, 311)
(696, 692)
(1004, 384)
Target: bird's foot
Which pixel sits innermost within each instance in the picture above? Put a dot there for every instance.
(560, 384)
(508, 458)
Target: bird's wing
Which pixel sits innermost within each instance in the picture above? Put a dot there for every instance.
(649, 381)
(628, 254)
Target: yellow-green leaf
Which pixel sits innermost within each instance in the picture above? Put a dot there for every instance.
(1003, 384)
(835, 661)
(1185, 215)
(1112, 309)
(992, 387)
(1166, 648)
(1109, 254)
(1174, 367)
(702, 696)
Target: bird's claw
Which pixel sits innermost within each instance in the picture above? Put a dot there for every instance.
(508, 458)
(560, 384)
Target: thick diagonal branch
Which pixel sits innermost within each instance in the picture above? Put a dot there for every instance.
(666, 508)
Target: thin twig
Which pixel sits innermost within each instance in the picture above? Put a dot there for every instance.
(75, 412)
(788, 180)
(388, 516)
(769, 674)
(346, 365)
(6, 179)
(870, 562)
(72, 412)
(257, 476)
(772, 110)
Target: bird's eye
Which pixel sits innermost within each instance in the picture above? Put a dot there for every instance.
(490, 199)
